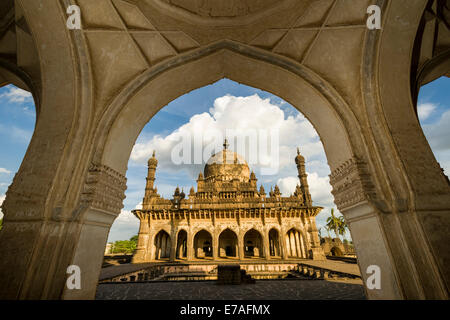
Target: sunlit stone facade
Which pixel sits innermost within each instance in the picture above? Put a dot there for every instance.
(228, 217)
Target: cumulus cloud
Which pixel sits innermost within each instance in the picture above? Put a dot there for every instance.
(319, 187)
(2, 198)
(438, 133)
(424, 110)
(125, 226)
(3, 170)
(126, 217)
(17, 95)
(253, 117)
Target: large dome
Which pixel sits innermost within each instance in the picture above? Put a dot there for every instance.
(227, 165)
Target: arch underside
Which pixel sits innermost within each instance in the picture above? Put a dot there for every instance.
(142, 99)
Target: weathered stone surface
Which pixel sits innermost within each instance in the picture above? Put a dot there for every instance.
(96, 88)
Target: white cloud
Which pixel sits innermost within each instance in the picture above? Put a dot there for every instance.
(3, 170)
(17, 95)
(438, 133)
(240, 114)
(319, 187)
(125, 226)
(126, 217)
(2, 198)
(16, 133)
(425, 110)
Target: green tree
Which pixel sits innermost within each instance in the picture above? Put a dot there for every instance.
(342, 229)
(125, 246)
(333, 223)
(1, 224)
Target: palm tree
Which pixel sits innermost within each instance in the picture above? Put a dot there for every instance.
(342, 226)
(333, 223)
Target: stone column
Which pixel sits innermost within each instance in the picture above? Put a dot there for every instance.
(190, 247)
(292, 244)
(240, 246)
(297, 244)
(173, 247)
(266, 246)
(288, 246)
(142, 251)
(215, 246)
(316, 249)
(302, 246)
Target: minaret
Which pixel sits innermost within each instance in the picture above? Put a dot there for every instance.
(149, 188)
(300, 161)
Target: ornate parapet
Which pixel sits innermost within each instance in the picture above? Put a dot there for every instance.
(104, 189)
(352, 184)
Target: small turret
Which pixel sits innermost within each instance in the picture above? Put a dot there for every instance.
(152, 162)
(262, 192)
(300, 161)
(277, 191)
(150, 190)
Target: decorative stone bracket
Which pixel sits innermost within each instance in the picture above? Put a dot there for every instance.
(352, 184)
(104, 189)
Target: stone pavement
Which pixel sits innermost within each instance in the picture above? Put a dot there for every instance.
(210, 290)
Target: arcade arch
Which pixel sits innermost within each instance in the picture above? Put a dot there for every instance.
(203, 244)
(228, 244)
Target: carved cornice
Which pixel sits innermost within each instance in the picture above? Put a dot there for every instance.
(352, 184)
(104, 189)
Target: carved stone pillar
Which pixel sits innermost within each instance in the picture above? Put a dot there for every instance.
(292, 244)
(240, 247)
(190, 247)
(215, 246)
(173, 246)
(102, 201)
(141, 254)
(297, 244)
(282, 244)
(316, 250)
(266, 246)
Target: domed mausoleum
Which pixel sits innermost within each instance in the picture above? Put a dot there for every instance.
(228, 217)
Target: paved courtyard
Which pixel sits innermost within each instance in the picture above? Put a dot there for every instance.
(209, 290)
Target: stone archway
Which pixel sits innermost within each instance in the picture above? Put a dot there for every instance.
(203, 244)
(336, 252)
(253, 244)
(68, 192)
(181, 248)
(162, 244)
(228, 244)
(274, 243)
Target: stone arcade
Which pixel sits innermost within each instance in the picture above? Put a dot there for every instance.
(228, 217)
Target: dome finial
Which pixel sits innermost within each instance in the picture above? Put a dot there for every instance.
(298, 150)
(225, 144)
(154, 152)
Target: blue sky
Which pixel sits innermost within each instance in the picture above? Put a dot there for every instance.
(247, 107)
